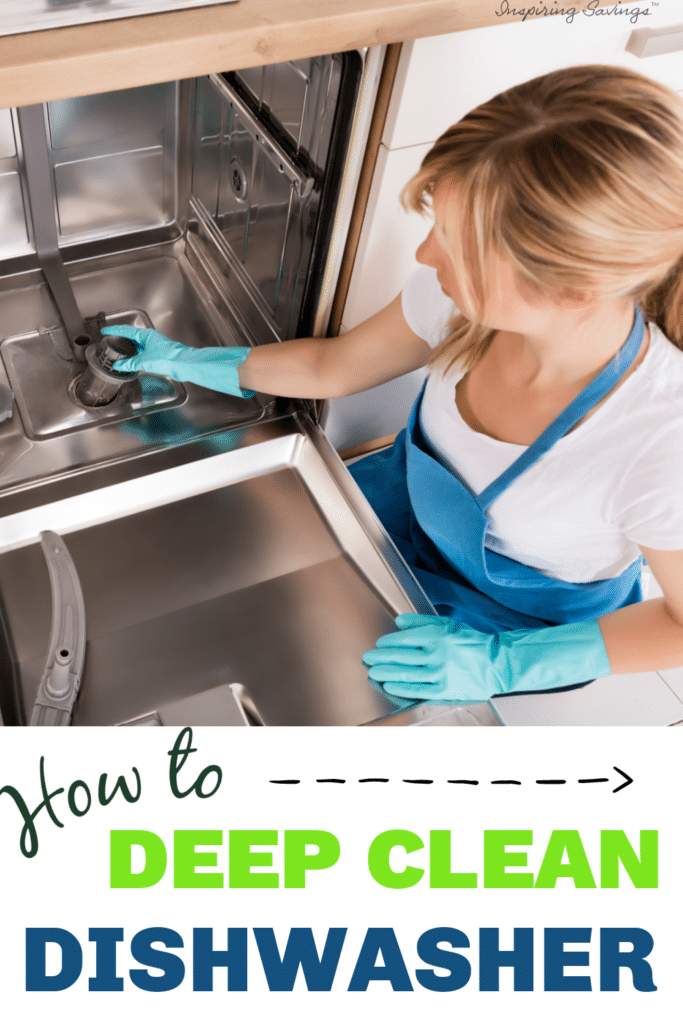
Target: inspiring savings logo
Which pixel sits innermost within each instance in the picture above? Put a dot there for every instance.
(629, 13)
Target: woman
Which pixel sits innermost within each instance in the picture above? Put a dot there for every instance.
(545, 454)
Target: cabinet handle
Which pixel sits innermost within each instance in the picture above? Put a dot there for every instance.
(647, 42)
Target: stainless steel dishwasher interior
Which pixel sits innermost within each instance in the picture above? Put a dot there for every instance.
(231, 571)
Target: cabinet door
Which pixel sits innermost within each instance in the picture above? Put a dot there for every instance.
(443, 77)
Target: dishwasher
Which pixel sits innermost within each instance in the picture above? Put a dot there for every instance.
(170, 555)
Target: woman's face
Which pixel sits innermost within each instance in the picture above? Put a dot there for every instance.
(433, 252)
(509, 305)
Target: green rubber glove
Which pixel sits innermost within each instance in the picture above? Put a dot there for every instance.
(214, 368)
(435, 658)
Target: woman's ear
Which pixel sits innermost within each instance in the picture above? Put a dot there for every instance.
(574, 298)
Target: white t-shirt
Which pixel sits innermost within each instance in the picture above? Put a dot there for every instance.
(615, 482)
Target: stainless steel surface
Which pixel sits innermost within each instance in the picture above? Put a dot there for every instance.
(278, 156)
(120, 167)
(46, 385)
(219, 542)
(61, 679)
(218, 706)
(41, 203)
(158, 287)
(261, 234)
(245, 567)
(15, 239)
(268, 171)
(437, 715)
(6, 403)
(111, 210)
(296, 95)
(245, 702)
(37, 15)
(115, 161)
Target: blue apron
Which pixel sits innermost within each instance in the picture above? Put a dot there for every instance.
(439, 526)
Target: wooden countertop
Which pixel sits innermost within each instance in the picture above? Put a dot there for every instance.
(85, 59)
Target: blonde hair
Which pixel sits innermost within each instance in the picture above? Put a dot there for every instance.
(576, 178)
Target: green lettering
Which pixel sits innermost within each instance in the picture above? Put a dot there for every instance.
(615, 848)
(577, 867)
(378, 859)
(243, 859)
(186, 858)
(298, 862)
(120, 857)
(497, 858)
(440, 874)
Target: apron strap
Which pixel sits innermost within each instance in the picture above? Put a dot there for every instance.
(576, 410)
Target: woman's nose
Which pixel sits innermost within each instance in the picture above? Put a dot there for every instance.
(425, 251)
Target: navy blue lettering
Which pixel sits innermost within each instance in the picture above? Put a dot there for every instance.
(319, 972)
(459, 966)
(172, 966)
(492, 958)
(556, 958)
(380, 940)
(105, 979)
(37, 978)
(612, 958)
(205, 958)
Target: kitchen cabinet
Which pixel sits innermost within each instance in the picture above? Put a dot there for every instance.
(440, 79)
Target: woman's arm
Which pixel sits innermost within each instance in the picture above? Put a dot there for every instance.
(378, 350)
(375, 351)
(648, 636)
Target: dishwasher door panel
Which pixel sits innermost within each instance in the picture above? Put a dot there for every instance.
(295, 643)
(251, 567)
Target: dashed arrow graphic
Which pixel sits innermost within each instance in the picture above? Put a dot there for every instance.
(466, 782)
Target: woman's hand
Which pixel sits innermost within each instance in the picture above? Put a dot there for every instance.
(214, 368)
(434, 658)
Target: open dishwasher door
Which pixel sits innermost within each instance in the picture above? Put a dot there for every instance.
(243, 568)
